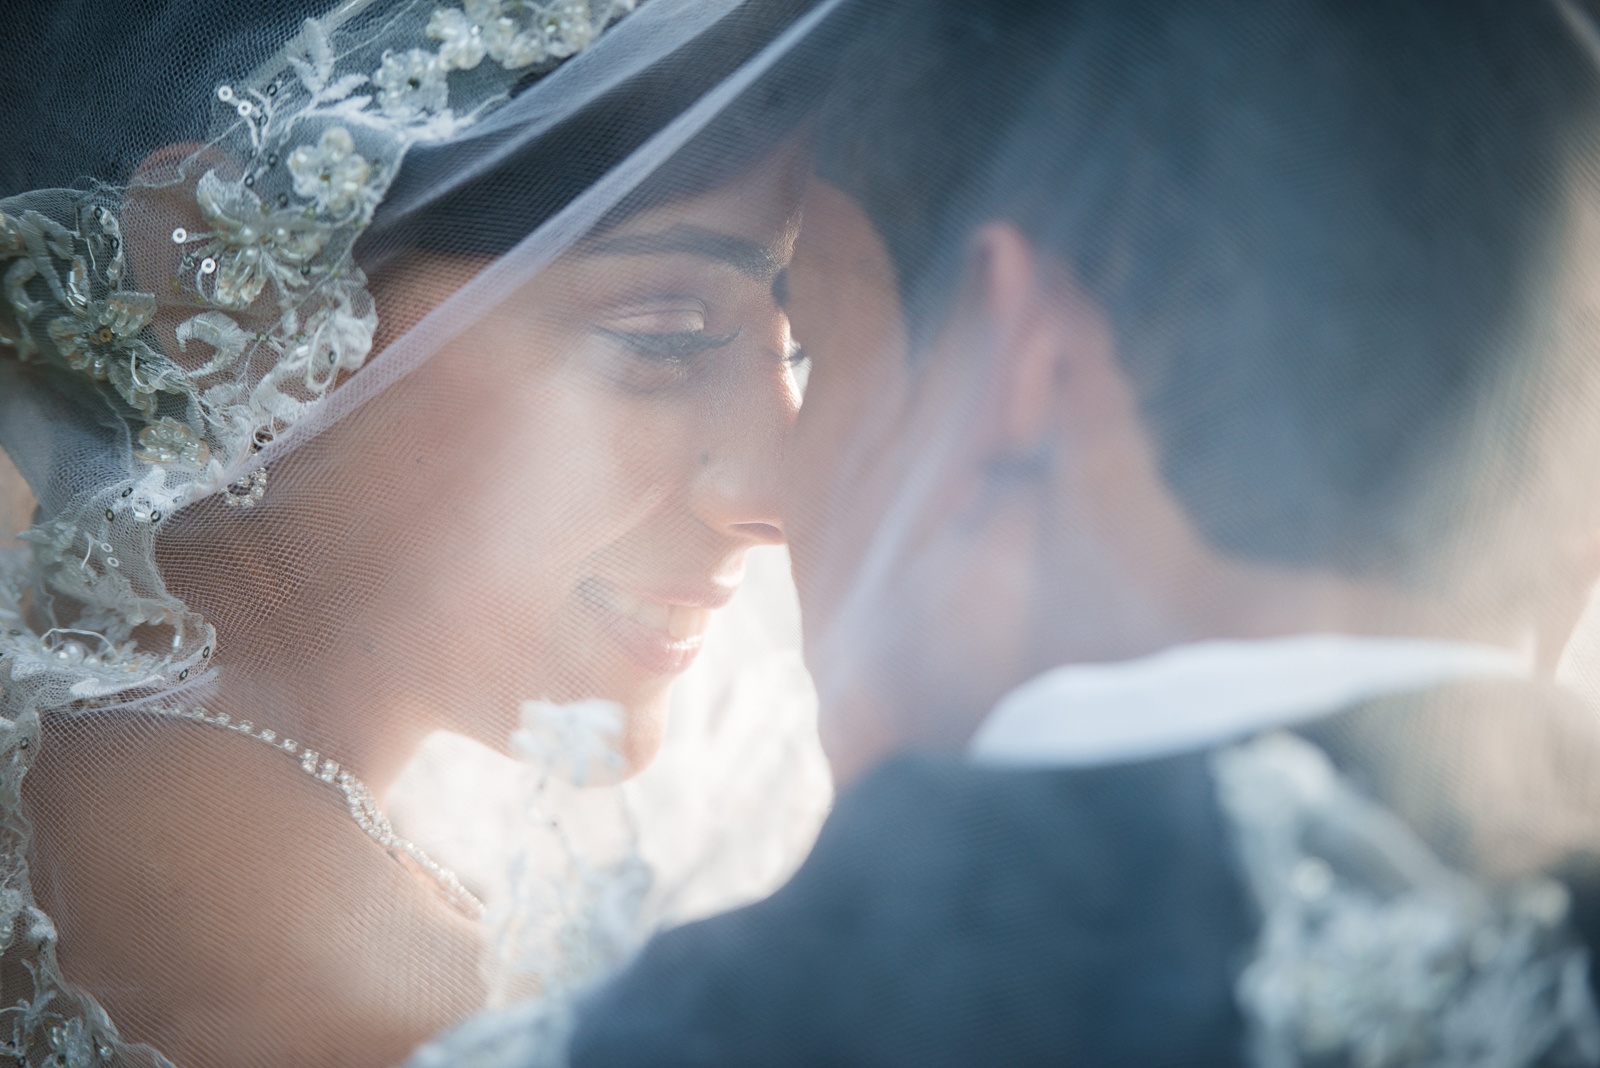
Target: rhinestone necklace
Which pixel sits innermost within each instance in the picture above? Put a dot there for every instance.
(363, 805)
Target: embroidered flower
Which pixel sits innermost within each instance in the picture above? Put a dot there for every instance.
(98, 340)
(462, 46)
(497, 29)
(337, 338)
(576, 741)
(95, 326)
(411, 83)
(333, 174)
(171, 442)
(523, 50)
(252, 244)
(486, 27)
(1371, 950)
(65, 297)
(566, 27)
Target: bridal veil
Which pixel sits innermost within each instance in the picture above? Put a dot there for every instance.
(392, 395)
(386, 370)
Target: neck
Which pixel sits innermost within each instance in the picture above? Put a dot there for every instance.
(1122, 610)
(370, 735)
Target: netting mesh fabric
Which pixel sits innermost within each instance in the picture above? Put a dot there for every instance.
(370, 373)
(398, 392)
(1135, 328)
(1144, 331)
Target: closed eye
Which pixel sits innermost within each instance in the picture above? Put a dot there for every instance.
(678, 345)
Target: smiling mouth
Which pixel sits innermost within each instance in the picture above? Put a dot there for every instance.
(661, 638)
(678, 622)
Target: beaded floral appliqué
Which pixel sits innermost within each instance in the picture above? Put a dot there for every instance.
(1372, 952)
(271, 311)
(267, 311)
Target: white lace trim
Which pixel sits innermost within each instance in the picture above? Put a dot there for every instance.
(1372, 952)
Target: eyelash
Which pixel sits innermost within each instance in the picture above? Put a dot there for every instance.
(795, 354)
(674, 347)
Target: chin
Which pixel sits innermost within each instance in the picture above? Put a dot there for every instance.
(644, 731)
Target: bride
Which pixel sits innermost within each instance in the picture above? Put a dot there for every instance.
(291, 521)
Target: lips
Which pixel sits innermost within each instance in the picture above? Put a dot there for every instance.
(659, 636)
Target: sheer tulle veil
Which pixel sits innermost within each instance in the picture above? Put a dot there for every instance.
(392, 394)
(399, 392)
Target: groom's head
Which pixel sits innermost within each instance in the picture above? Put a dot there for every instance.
(1141, 322)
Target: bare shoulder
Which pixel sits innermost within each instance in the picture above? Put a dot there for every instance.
(222, 904)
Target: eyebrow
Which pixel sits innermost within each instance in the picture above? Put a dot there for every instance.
(747, 257)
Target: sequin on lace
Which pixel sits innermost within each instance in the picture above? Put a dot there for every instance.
(1374, 953)
(275, 313)
(278, 311)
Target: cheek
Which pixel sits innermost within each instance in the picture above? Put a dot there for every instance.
(558, 468)
(841, 460)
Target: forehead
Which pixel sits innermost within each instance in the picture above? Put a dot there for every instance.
(840, 253)
(760, 206)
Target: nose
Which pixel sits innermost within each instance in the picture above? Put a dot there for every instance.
(735, 486)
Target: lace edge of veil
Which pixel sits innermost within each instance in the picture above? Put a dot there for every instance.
(318, 133)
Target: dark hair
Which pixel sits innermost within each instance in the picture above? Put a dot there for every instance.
(493, 211)
(1317, 227)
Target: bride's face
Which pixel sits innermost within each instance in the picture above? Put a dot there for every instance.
(553, 503)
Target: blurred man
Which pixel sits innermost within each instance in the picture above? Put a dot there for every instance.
(1194, 473)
